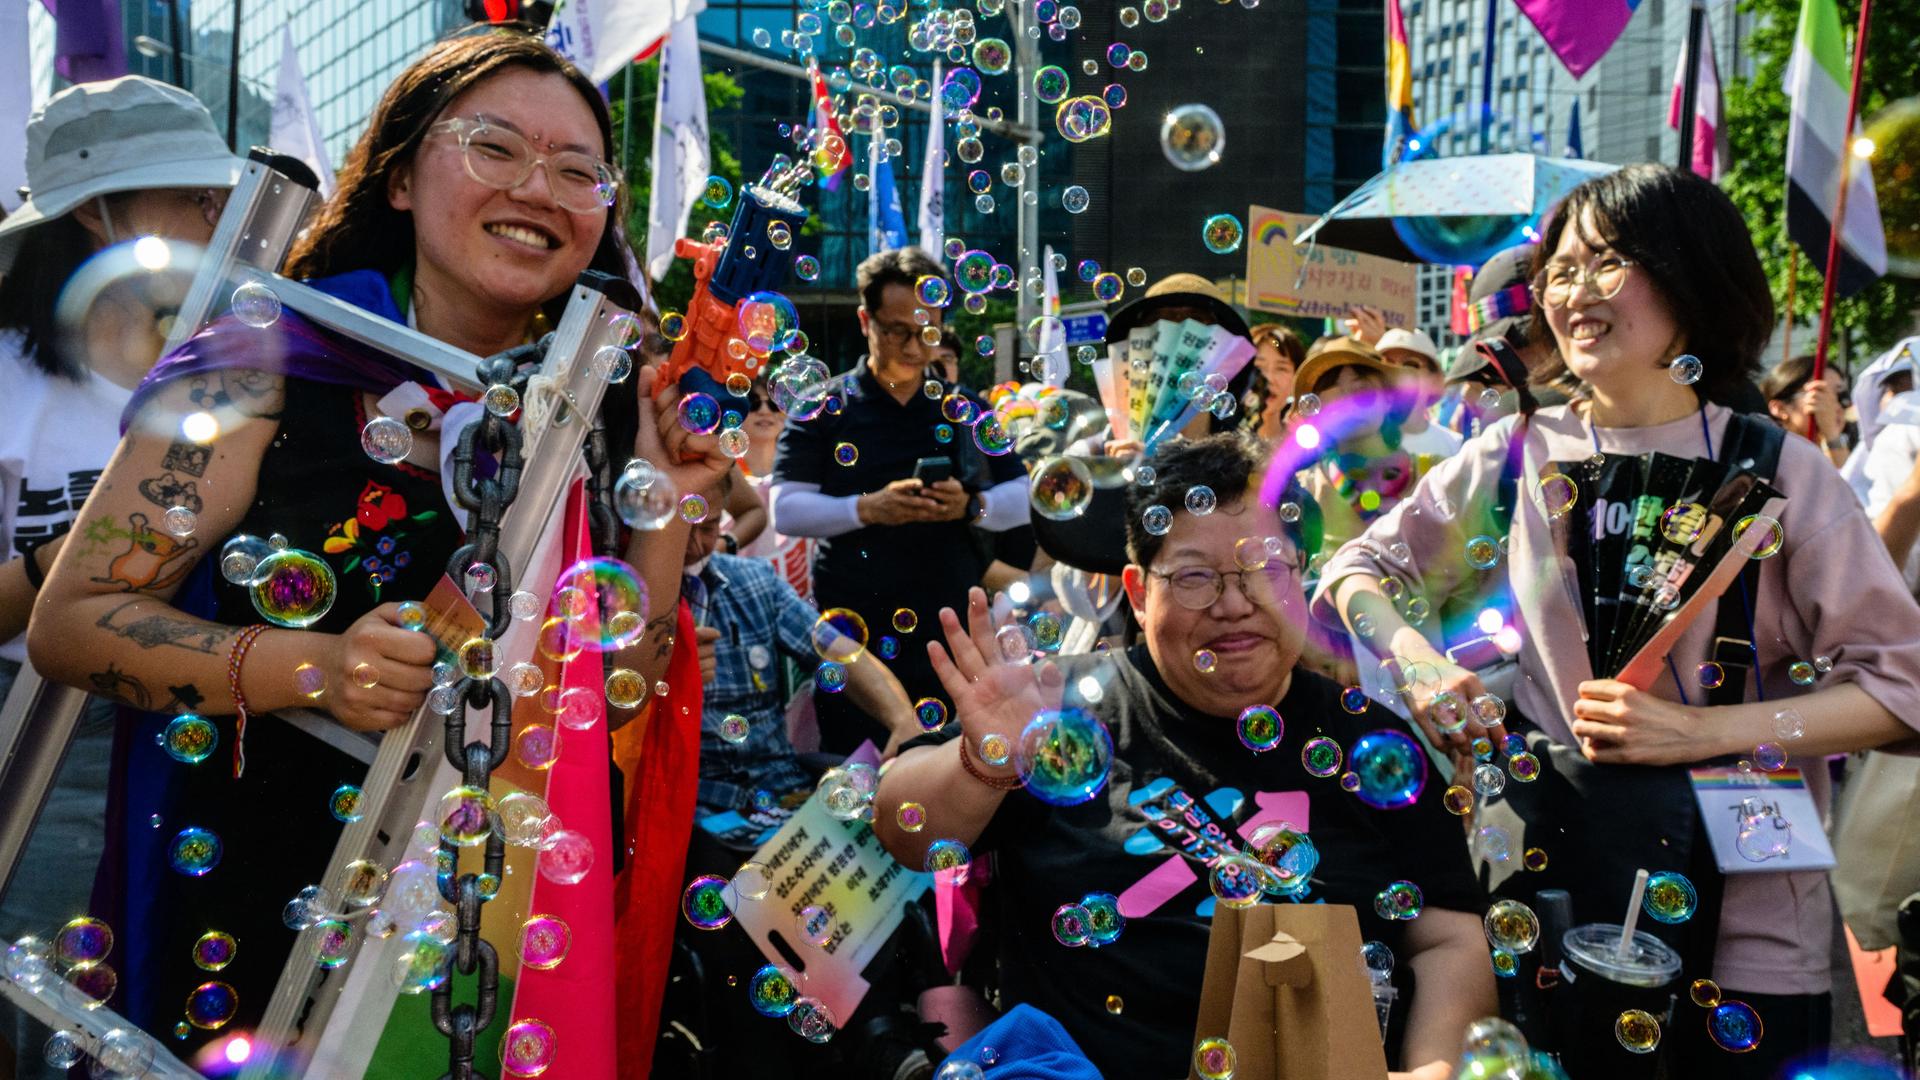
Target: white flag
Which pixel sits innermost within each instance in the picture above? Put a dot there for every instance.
(602, 37)
(296, 132)
(680, 161)
(933, 179)
(1052, 351)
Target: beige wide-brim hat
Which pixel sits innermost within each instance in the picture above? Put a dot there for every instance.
(1329, 354)
(1176, 290)
(127, 134)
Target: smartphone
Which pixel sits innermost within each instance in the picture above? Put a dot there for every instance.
(932, 470)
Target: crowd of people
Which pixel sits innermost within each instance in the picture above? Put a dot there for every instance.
(1341, 640)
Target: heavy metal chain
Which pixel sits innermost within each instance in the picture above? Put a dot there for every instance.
(488, 498)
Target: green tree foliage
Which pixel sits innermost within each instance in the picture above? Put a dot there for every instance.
(672, 292)
(1756, 117)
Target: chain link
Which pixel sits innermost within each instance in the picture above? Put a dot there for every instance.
(488, 498)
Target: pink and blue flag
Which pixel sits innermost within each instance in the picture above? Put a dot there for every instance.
(1579, 31)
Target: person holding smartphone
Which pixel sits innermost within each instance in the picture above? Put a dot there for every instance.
(890, 486)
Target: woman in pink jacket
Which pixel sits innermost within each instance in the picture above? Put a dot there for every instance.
(1648, 283)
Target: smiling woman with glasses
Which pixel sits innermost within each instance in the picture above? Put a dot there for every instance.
(1635, 270)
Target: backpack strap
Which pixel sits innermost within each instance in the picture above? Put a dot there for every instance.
(1751, 443)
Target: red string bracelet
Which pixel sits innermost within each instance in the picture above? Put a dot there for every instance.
(237, 656)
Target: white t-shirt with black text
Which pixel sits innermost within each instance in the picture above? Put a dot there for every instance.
(54, 444)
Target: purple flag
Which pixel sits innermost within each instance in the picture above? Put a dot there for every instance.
(1579, 31)
(88, 43)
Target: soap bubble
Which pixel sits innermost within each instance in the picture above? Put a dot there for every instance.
(1321, 756)
(240, 556)
(1070, 925)
(256, 305)
(1704, 992)
(1772, 536)
(767, 322)
(1670, 897)
(704, 902)
(529, 1048)
(1214, 1059)
(1735, 1027)
(717, 193)
(1157, 520)
(194, 852)
(1050, 84)
(567, 857)
(992, 56)
(772, 991)
(949, 855)
(1512, 925)
(1222, 234)
(1075, 199)
(189, 739)
(1060, 488)
(1063, 756)
(932, 713)
(1260, 728)
(1192, 136)
(292, 588)
(1686, 370)
(1636, 1029)
(1236, 881)
(1201, 500)
(1391, 767)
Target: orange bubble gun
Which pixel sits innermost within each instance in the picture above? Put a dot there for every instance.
(716, 338)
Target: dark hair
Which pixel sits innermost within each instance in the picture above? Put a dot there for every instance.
(1254, 402)
(48, 257)
(901, 266)
(1281, 337)
(951, 342)
(1229, 463)
(358, 229)
(1687, 236)
(1787, 377)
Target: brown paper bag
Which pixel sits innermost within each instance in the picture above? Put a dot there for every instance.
(1285, 986)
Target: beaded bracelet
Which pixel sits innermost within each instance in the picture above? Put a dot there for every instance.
(237, 656)
(998, 783)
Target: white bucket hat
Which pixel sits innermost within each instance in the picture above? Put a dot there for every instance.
(127, 134)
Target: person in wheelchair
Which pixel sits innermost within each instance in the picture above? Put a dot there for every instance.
(1187, 792)
(750, 623)
(751, 626)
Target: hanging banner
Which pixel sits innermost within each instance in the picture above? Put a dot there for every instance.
(1316, 281)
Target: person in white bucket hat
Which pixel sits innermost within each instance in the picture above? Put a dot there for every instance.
(152, 144)
(107, 162)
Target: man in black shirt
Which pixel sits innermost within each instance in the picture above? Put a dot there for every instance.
(890, 478)
(1222, 629)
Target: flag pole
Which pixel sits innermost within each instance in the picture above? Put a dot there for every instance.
(1486, 80)
(1690, 82)
(1793, 275)
(1839, 225)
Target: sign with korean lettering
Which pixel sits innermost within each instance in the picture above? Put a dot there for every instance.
(839, 867)
(1315, 281)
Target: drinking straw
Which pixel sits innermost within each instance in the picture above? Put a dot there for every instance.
(1625, 949)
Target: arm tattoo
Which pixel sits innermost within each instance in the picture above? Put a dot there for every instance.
(167, 491)
(250, 393)
(120, 686)
(187, 457)
(151, 631)
(152, 560)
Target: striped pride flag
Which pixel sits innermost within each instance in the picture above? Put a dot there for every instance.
(1399, 87)
(1817, 81)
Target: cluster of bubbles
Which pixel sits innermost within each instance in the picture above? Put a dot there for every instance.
(1092, 921)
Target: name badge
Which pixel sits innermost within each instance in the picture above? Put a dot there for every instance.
(1761, 823)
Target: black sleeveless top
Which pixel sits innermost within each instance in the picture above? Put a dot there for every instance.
(386, 532)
